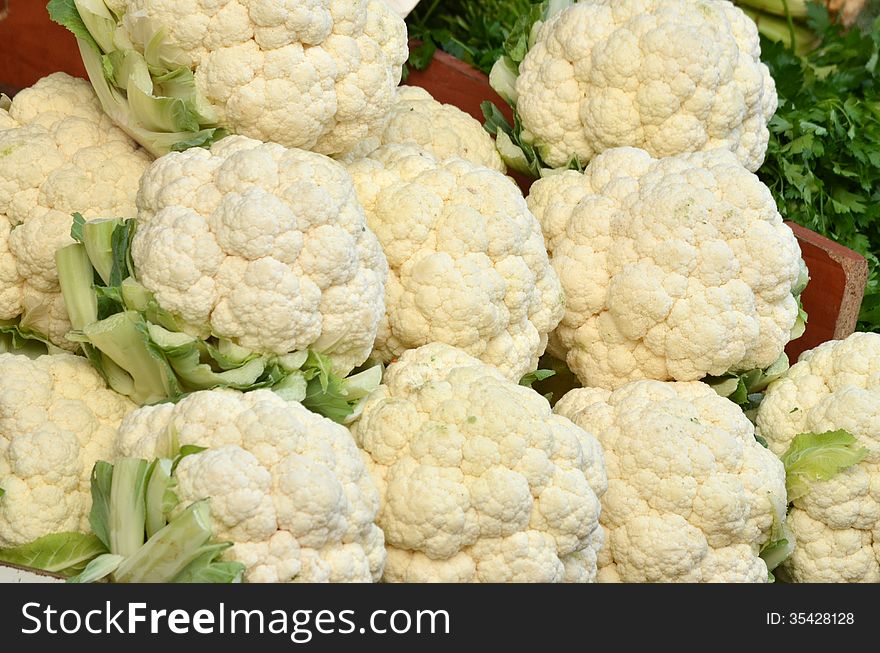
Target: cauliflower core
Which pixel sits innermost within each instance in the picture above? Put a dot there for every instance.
(57, 419)
(837, 524)
(442, 130)
(264, 246)
(287, 486)
(318, 74)
(672, 269)
(479, 480)
(692, 496)
(59, 153)
(468, 264)
(668, 76)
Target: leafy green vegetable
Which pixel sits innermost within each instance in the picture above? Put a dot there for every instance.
(146, 353)
(61, 553)
(818, 457)
(474, 31)
(823, 161)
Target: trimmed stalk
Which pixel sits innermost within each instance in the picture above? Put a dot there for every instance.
(75, 275)
(121, 338)
(98, 242)
(127, 512)
(170, 550)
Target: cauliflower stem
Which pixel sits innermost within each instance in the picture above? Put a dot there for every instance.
(145, 352)
(130, 499)
(152, 97)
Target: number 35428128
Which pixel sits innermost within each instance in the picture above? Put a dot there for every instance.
(811, 618)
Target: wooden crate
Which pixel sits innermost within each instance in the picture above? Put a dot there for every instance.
(837, 275)
(32, 46)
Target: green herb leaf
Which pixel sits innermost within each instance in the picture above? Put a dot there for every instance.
(823, 159)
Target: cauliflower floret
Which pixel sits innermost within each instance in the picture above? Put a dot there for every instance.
(673, 269)
(59, 153)
(318, 75)
(57, 419)
(264, 246)
(669, 76)
(692, 496)
(837, 524)
(288, 487)
(468, 264)
(442, 130)
(479, 481)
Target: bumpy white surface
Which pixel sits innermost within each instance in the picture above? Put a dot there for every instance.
(479, 481)
(57, 419)
(692, 496)
(468, 264)
(668, 76)
(837, 525)
(673, 269)
(316, 74)
(442, 130)
(59, 154)
(287, 486)
(263, 245)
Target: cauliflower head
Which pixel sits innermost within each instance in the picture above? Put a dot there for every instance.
(288, 487)
(673, 269)
(261, 245)
(692, 496)
(59, 153)
(668, 76)
(837, 524)
(479, 481)
(316, 74)
(468, 264)
(442, 130)
(57, 419)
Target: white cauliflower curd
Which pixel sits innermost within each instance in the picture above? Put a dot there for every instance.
(261, 245)
(479, 481)
(467, 259)
(59, 153)
(667, 76)
(288, 487)
(317, 74)
(837, 523)
(442, 130)
(692, 496)
(672, 269)
(57, 419)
